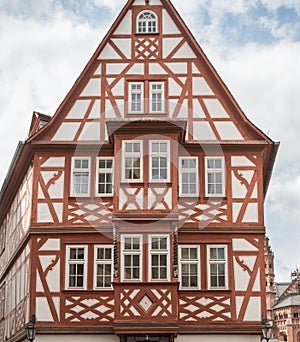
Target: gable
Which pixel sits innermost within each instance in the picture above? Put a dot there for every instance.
(192, 89)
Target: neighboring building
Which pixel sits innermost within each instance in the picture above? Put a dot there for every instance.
(137, 211)
(286, 311)
(270, 278)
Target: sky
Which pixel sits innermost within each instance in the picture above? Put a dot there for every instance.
(253, 44)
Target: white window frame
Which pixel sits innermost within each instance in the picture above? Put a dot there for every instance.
(132, 155)
(157, 92)
(159, 155)
(105, 171)
(80, 170)
(158, 252)
(103, 262)
(139, 19)
(214, 170)
(217, 261)
(188, 171)
(83, 262)
(138, 252)
(190, 262)
(132, 92)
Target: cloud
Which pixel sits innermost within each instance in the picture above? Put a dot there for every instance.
(39, 62)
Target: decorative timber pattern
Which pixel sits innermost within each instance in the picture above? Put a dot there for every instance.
(245, 190)
(201, 214)
(204, 308)
(47, 273)
(95, 307)
(165, 56)
(247, 256)
(143, 302)
(145, 198)
(50, 189)
(90, 212)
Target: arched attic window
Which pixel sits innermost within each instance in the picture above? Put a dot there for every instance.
(147, 22)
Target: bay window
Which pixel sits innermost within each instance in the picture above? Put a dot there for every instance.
(188, 176)
(159, 257)
(159, 160)
(131, 257)
(132, 160)
(105, 176)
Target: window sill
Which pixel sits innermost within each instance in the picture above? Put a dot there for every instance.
(159, 182)
(92, 198)
(85, 290)
(156, 114)
(147, 33)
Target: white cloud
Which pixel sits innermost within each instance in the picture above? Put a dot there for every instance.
(111, 4)
(39, 62)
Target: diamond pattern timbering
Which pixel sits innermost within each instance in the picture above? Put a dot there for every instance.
(80, 212)
(146, 48)
(99, 309)
(141, 302)
(199, 307)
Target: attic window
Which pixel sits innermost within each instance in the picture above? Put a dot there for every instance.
(147, 22)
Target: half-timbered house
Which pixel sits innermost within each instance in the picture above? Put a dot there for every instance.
(136, 212)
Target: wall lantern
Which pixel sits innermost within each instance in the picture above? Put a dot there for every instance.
(31, 329)
(267, 327)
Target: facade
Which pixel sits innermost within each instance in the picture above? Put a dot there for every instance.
(136, 212)
(286, 311)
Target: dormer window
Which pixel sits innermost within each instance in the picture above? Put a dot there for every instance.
(147, 22)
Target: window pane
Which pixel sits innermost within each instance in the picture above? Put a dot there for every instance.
(163, 243)
(184, 253)
(85, 164)
(154, 260)
(163, 174)
(163, 260)
(218, 163)
(213, 253)
(193, 253)
(136, 260)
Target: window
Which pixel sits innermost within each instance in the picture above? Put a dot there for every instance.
(159, 257)
(132, 161)
(156, 97)
(2, 301)
(80, 176)
(105, 176)
(188, 176)
(103, 267)
(215, 176)
(147, 22)
(132, 256)
(136, 97)
(189, 267)
(160, 160)
(76, 267)
(217, 267)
